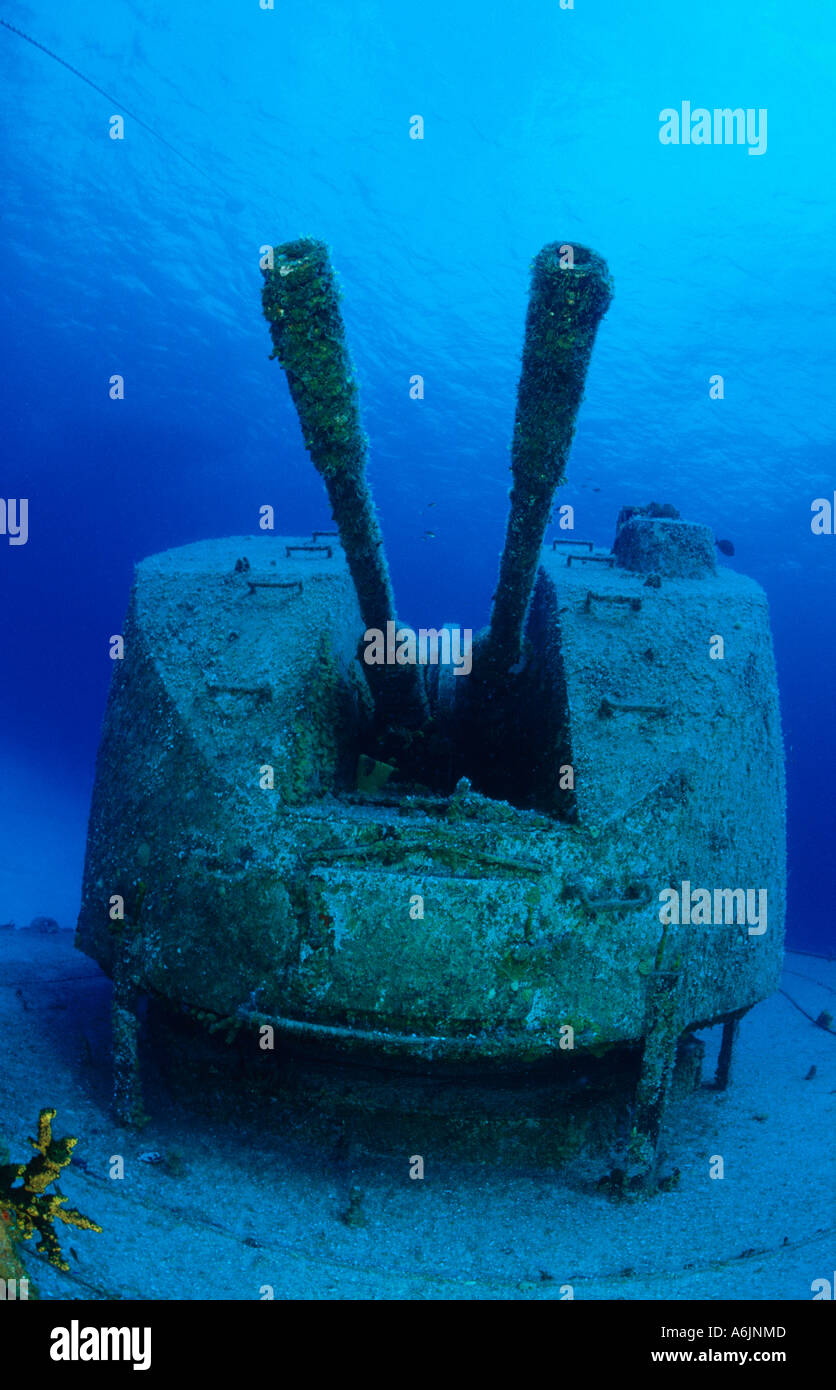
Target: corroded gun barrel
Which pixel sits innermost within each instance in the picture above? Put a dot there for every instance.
(300, 299)
(570, 293)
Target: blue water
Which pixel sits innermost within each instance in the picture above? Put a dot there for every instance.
(540, 124)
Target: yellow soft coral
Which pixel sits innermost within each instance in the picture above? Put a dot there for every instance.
(33, 1207)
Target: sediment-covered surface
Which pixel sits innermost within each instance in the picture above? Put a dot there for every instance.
(234, 1205)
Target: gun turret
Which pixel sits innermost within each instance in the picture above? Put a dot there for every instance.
(241, 743)
(301, 303)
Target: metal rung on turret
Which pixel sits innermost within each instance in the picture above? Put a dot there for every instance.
(608, 560)
(309, 549)
(628, 599)
(609, 707)
(253, 584)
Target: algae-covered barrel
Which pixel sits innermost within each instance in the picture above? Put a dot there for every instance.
(301, 302)
(570, 292)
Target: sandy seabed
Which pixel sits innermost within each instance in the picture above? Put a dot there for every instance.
(247, 1211)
